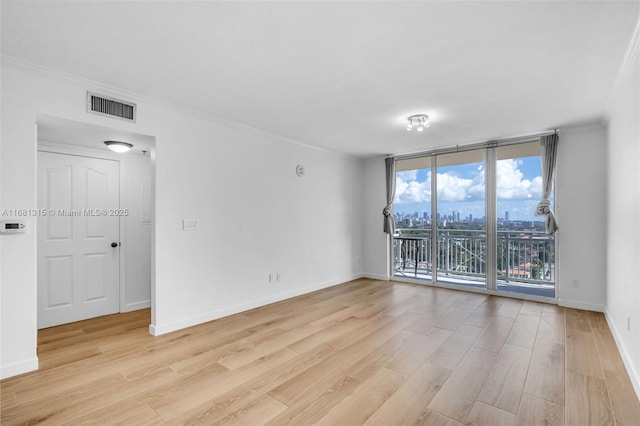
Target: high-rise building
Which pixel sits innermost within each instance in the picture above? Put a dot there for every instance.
(506, 216)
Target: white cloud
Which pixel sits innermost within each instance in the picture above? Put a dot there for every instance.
(510, 185)
(409, 190)
(454, 188)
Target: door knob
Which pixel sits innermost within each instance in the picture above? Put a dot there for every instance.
(114, 244)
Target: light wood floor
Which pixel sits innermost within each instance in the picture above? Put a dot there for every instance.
(365, 352)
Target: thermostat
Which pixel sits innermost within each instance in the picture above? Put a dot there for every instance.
(12, 227)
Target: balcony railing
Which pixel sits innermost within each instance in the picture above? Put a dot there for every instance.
(522, 256)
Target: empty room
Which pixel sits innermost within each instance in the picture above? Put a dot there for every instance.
(320, 212)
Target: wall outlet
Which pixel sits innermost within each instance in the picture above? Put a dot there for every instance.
(189, 224)
(575, 283)
(277, 276)
(270, 278)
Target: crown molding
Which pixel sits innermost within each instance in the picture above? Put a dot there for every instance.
(585, 126)
(138, 98)
(21, 64)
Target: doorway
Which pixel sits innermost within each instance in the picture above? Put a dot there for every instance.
(70, 279)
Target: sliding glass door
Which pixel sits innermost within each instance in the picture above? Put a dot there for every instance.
(467, 219)
(525, 254)
(412, 247)
(461, 230)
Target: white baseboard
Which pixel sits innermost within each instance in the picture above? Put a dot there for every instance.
(633, 373)
(137, 305)
(376, 277)
(17, 368)
(158, 330)
(581, 305)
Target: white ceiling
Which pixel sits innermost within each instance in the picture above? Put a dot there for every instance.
(55, 129)
(344, 75)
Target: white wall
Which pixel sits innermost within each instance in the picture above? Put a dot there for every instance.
(18, 327)
(256, 216)
(580, 200)
(137, 239)
(623, 214)
(376, 242)
(581, 212)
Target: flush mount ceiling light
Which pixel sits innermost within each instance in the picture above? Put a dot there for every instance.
(117, 146)
(419, 121)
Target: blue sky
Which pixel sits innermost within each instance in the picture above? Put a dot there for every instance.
(461, 189)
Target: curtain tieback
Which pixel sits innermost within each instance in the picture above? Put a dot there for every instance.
(387, 210)
(543, 208)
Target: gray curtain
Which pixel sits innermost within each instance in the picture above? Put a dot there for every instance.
(389, 224)
(549, 147)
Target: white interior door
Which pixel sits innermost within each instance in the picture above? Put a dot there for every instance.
(78, 269)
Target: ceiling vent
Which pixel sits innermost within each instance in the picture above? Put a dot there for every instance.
(104, 105)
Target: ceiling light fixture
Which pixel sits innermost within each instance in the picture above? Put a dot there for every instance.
(419, 121)
(117, 146)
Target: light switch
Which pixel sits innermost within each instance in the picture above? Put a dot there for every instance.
(189, 224)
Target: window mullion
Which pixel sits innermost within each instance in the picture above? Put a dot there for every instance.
(491, 219)
(434, 221)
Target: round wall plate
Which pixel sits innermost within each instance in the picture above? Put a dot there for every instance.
(300, 170)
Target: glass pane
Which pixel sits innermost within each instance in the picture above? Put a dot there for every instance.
(412, 213)
(461, 256)
(525, 254)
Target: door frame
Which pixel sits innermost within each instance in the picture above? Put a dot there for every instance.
(80, 151)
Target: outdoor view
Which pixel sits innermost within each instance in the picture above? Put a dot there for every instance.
(524, 254)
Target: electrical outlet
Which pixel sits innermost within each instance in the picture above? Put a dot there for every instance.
(277, 276)
(270, 278)
(575, 283)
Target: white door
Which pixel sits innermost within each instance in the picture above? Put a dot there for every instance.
(78, 267)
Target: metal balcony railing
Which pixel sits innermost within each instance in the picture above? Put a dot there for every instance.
(522, 256)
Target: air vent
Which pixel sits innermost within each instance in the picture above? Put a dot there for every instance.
(105, 105)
